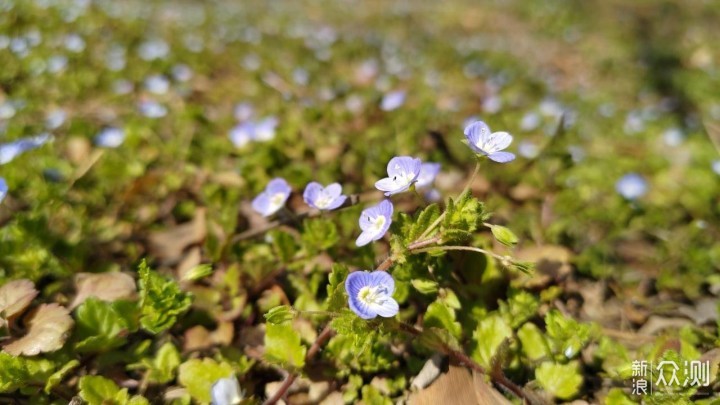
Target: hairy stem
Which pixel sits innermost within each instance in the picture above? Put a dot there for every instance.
(468, 248)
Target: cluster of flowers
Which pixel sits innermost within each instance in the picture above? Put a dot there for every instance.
(370, 293)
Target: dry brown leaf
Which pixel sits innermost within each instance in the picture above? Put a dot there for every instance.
(15, 296)
(168, 245)
(199, 338)
(189, 261)
(552, 262)
(705, 311)
(108, 286)
(49, 328)
(458, 386)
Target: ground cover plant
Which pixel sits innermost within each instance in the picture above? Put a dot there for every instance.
(359, 202)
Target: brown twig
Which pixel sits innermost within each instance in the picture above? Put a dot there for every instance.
(418, 244)
(290, 379)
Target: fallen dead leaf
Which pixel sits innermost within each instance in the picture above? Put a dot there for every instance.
(108, 286)
(189, 261)
(704, 312)
(48, 331)
(657, 323)
(552, 262)
(168, 245)
(15, 296)
(199, 338)
(458, 386)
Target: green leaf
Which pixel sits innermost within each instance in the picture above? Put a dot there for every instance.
(423, 221)
(616, 396)
(440, 315)
(336, 288)
(425, 286)
(319, 234)
(198, 376)
(283, 347)
(534, 344)
(59, 375)
(197, 272)
(279, 314)
(161, 300)
(489, 335)
(567, 335)
(560, 380)
(504, 235)
(284, 245)
(161, 368)
(100, 326)
(520, 307)
(97, 390)
(464, 214)
(19, 372)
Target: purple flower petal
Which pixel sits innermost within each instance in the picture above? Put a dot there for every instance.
(403, 171)
(476, 133)
(370, 294)
(3, 189)
(324, 198)
(375, 222)
(273, 198)
(428, 172)
(502, 157)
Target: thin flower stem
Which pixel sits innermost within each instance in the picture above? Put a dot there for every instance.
(468, 248)
(442, 216)
(326, 333)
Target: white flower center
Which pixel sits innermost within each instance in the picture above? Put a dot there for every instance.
(376, 295)
(403, 178)
(323, 200)
(276, 201)
(378, 224)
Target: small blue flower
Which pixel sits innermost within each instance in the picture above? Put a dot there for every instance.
(226, 391)
(157, 84)
(55, 119)
(392, 100)
(110, 138)
(152, 109)
(324, 198)
(490, 144)
(154, 49)
(3, 189)
(10, 151)
(74, 43)
(374, 222)
(716, 166)
(402, 171)
(272, 198)
(631, 186)
(428, 172)
(265, 129)
(370, 294)
(242, 134)
(182, 72)
(528, 149)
